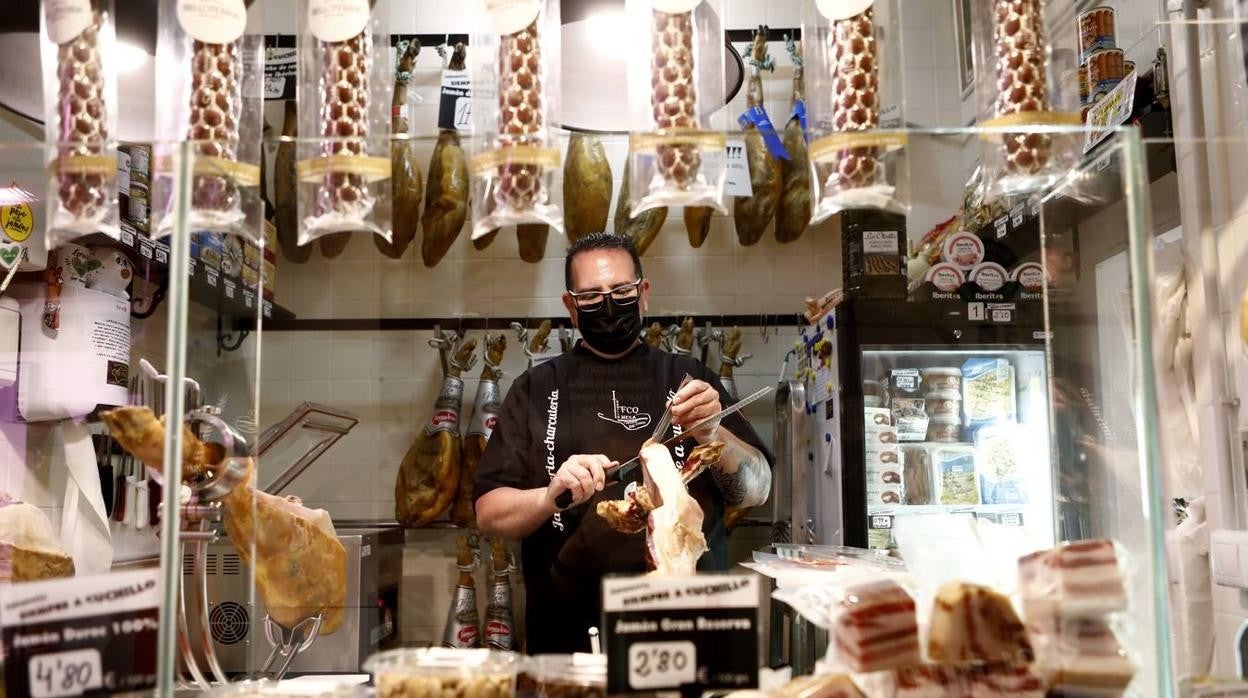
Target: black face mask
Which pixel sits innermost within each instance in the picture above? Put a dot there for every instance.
(610, 328)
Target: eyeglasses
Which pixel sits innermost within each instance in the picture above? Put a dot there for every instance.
(620, 295)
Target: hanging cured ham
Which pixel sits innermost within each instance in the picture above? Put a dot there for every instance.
(299, 563)
(285, 189)
(405, 175)
(446, 201)
(484, 412)
(586, 187)
(532, 239)
(752, 214)
(642, 228)
(428, 479)
(698, 223)
(793, 212)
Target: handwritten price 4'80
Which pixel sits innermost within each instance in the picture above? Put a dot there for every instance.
(69, 673)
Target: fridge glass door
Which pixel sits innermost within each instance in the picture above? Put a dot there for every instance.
(959, 432)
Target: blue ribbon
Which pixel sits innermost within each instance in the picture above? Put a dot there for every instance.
(757, 116)
(799, 110)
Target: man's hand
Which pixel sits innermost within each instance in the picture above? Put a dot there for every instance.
(693, 403)
(582, 475)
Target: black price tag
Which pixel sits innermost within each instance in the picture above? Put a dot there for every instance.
(279, 73)
(147, 248)
(190, 266)
(127, 235)
(70, 637)
(1016, 216)
(249, 299)
(230, 288)
(1003, 226)
(212, 275)
(268, 309)
(455, 102)
(690, 633)
(162, 253)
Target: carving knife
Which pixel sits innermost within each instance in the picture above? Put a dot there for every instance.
(564, 500)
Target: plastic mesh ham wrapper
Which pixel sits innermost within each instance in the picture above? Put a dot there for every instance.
(80, 118)
(515, 92)
(1017, 85)
(852, 72)
(209, 68)
(676, 90)
(345, 81)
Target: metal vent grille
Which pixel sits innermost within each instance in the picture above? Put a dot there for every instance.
(188, 565)
(210, 560)
(229, 623)
(231, 565)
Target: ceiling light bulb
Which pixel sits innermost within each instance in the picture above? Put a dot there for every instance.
(127, 57)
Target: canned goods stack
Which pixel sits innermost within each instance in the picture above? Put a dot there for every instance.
(1102, 64)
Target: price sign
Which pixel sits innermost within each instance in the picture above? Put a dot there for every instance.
(694, 633)
(70, 637)
(230, 288)
(1001, 312)
(661, 664)
(1016, 216)
(147, 248)
(268, 309)
(162, 253)
(1003, 226)
(737, 172)
(881, 522)
(211, 276)
(279, 72)
(455, 101)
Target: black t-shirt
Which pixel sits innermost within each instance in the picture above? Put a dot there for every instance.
(579, 403)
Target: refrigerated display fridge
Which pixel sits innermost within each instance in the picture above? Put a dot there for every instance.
(945, 413)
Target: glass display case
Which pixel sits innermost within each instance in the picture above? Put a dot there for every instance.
(999, 398)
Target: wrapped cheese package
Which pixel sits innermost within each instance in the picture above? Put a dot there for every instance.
(852, 68)
(208, 65)
(345, 78)
(80, 118)
(675, 93)
(1018, 85)
(515, 93)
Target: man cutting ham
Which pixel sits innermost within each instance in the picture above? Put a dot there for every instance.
(565, 422)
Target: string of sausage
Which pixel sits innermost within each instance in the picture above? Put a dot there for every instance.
(216, 108)
(82, 129)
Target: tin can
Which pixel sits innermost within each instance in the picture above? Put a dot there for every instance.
(1106, 68)
(1128, 68)
(1084, 95)
(1096, 31)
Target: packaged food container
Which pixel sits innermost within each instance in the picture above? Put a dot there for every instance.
(1106, 68)
(955, 467)
(852, 70)
(871, 388)
(944, 403)
(963, 250)
(942, 378)
(917, 475)
(988, 391)
(989, 276)
(1096, 31)
(878, 417)
(910, 418)
(905, 382)
(344, 73)
(570, 675)
(676, 88)
(872, 401)
(945, 277)
(999, 453)
(880, 437)
(944, 429)
(438, 672)
(1029, 276)
(209, 65)
(1018, 86)
(515, 106)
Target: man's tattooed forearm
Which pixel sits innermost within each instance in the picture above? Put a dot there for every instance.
(749, 485)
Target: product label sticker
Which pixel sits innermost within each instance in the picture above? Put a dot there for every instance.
(87, 634)
(510, 16)
(842, 9)
(736, 167)
(212, 21)
(337, 20)
(1112, 109)
(455, 101)
(10, 254)
(66, 19)
(756, 116)
(17, 222)
(279, 73)
(680, 632)
(879, 242)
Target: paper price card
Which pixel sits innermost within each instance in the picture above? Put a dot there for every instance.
(82, 635)
(687, 633)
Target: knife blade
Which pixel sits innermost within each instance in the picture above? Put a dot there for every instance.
(564, 500)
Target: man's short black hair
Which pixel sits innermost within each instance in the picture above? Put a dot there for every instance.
(599, 241)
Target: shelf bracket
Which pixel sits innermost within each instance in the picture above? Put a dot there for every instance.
(230, 341)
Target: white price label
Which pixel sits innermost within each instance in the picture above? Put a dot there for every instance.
(212, 278)
(1003, 227)
(881, 522)
(662, 664)
(1013, 519)
(1002, 315)
(229, 289)
(1016, 215)
(69, 673)
(975, 311)
(737, 169)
